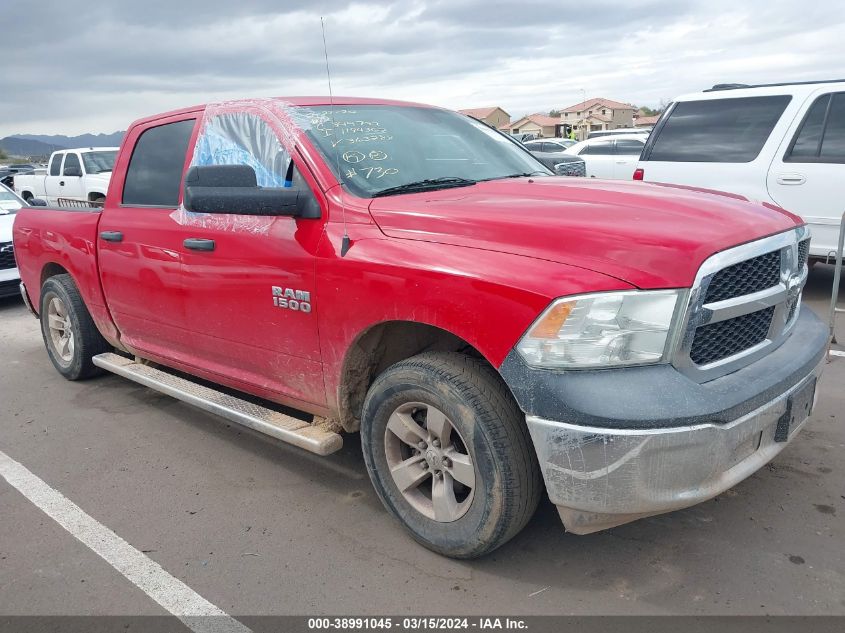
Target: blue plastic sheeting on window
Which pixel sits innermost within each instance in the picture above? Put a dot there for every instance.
(242, 138)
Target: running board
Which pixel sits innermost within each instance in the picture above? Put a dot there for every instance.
(286, 428)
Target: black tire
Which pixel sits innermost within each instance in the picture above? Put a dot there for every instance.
(479, 406)
(87, 340)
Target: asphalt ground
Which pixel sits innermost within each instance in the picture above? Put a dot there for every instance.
(254, 526)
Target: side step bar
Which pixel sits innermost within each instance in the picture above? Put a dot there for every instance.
(312, 438)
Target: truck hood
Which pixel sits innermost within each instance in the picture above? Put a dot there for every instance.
(100, 178)
(649, 235)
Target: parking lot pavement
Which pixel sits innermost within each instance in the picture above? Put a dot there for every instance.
(258, 527)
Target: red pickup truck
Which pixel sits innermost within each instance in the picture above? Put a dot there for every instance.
(407, 272)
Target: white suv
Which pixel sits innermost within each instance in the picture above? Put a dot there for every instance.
(779, 143)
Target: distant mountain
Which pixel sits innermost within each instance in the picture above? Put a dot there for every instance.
(26, 147)
(83, 140)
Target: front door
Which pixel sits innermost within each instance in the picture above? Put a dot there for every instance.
(140, 243)
(249, 281)
(807, 175)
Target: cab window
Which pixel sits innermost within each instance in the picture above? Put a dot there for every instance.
(154, 174)
(56, 164)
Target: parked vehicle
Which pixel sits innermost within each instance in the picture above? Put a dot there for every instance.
(9, 277)
(617, 132)
(80, 174)
(554, 144)
(525, 136)
(21, 167)
(409, 273)
(551, 154)
(610, 157)
(779, 143)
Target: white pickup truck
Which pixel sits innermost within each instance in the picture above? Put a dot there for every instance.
(81, 174)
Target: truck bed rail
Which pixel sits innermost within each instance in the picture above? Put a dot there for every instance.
(77, 203)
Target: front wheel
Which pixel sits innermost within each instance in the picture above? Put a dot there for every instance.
(68, 330)
(449, 455)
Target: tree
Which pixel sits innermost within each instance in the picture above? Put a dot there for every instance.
(3, 154)
(555, 114)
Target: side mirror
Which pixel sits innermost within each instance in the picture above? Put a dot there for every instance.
(37, 202)
(233, 189)
(73, 171)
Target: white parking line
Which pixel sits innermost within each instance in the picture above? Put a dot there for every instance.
(836, 352)
(192, 609)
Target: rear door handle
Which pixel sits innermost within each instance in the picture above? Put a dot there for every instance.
(112, 236)
(199, 244)
(61, 183)
(791, 179)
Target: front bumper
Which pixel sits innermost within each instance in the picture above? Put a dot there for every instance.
(9, 280)
(628, 466)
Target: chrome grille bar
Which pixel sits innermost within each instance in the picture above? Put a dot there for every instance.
(782, 297)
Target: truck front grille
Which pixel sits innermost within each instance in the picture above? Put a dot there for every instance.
(745, 277)
(7, 255)
(743, 305)
(803, 252)
(726, 338)
(574, 168)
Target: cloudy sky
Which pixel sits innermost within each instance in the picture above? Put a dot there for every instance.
(73, 67)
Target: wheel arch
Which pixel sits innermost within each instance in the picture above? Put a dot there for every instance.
(380, 346)
(51, 269)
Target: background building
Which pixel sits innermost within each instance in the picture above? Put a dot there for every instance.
(493, 116)
(597, 114)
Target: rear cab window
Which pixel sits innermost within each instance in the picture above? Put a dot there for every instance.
(730, 130)
(56, 164)
(154, 174)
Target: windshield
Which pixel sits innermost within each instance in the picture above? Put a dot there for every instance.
(9, 202)
(98, 162)
(379, 147)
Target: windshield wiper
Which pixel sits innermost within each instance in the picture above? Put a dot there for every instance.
(426, 185)
(522, 175)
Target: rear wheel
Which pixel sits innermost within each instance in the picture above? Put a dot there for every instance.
(449, 454)
(68, 330)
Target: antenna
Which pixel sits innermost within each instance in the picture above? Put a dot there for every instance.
(344, 244)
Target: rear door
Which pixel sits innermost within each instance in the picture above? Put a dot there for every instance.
(140, 242)
(807, 175)
(249, 281)
(52, 189)
(626, 155)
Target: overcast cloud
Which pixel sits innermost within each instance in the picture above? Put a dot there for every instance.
(73, 67)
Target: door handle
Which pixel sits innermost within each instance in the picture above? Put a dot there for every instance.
(61, 183)
(199, 244)
(112, 236)
(791, 179)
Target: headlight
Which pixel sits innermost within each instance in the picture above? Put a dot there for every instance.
(606, 329)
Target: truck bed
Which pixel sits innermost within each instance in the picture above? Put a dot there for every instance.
(51, 237)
